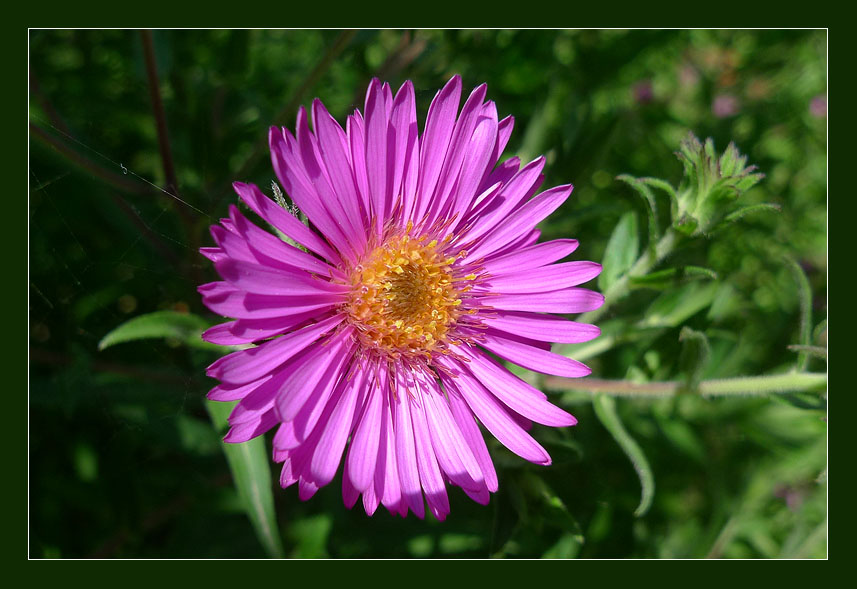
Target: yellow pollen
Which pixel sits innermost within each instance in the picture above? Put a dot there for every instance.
(405, 298)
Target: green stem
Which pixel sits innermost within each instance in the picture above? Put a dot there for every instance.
(727, 387)
(641, 267)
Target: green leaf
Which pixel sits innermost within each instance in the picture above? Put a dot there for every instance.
(651, 205)
(748, 210)
(819, 334)
(694, 356)
(673, 307)
(251, 473)
(605, 409)
(184, 327)
(621, 252)
(661, 184)
(663, 279)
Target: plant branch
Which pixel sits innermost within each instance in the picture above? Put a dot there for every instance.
(166, 150)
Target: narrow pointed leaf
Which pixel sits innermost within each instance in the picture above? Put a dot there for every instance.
(184, 327)
(605, 409)
(642, 189)
(663, 279)
(251, 473)
(673, 307)
(748, 210)
(805, 296)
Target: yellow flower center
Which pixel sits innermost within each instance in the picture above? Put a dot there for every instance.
(405, 297)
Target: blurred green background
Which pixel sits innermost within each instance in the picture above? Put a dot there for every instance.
(123, 459)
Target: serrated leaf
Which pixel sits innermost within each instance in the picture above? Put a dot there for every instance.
(621, 252)
(605, 409)
(184, 327)
(248, 462)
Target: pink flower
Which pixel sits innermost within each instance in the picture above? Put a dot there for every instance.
(643, 92)
(818, 106)
(725, 105)
(420, 264)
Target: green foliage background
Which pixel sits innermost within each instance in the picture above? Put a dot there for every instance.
(123, 459)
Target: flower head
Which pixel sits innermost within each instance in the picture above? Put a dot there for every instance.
(420, 264)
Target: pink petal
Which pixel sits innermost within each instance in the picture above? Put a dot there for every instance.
(430, 476)
(248, 365)
(406, 454)
(287, 159)
(403, 121)
(545, 279)
(363, 452)
(547, 328)
(514, 392)
(386, 481)
(510, 196)
(473, 439)
(535, 256)
(456, 153)
(231, 392)
(376, 153)
(495, 419)
(333, 144)
(451, 450)
(357, 145)
(533, 358)
(282, 220)
(311, 375)
(328, 450)
(476, 159)
(569, 300)
(504, 131)
(259, 279)
(272, 251)
(522, 221)
(251, 429)
(440, 123)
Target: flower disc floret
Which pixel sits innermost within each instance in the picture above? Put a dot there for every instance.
(406, 297)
